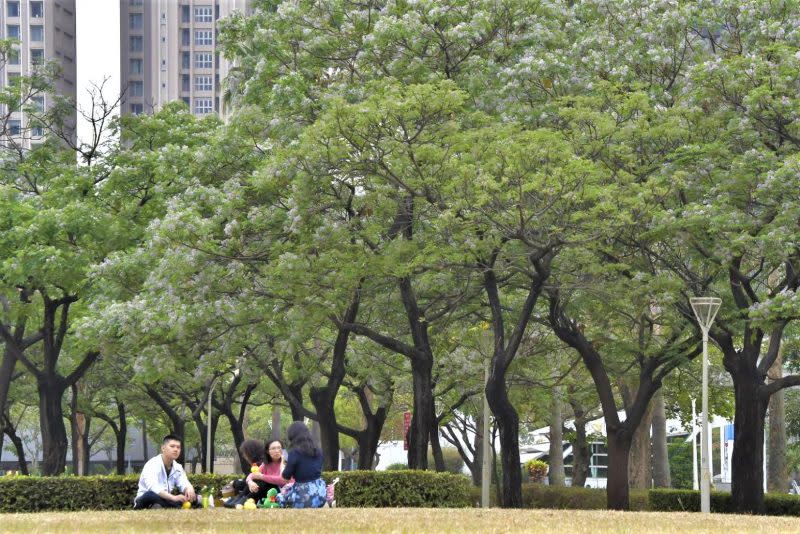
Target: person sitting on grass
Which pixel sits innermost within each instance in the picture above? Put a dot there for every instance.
(304, 464)
(160, 475)
(256, 485)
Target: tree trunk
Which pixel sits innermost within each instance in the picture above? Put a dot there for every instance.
(6, 374)
(177, 422)
(237, 431)
(580, 448)
(84, 426)
(747, 479)
(323, 403)
(640, 457)
(297, 409)
(9, 430)
(555, 474)
(661, 473)
(436, 447)
(619, 448)
(51, 420)
(508, 424)
(777, 471)
(369, 438)
(122, 438)
(423, 416)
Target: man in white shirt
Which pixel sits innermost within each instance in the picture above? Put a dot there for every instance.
(160, 475)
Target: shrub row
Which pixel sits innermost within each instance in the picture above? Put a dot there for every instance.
(403, 489)
(562, 498)
(669, 500)
(355, 488)
(32, 494)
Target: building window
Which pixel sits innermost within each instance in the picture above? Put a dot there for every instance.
(202, 106)
(202, 83)
(13, 56)
(186, 59)
(137, 109)
(37, 10)
(136, 21)
(12, 31)
(136, 88)
(38, 103)
(37, 33)
(185, 82)
(14, 127)
(37, 131)
(186, 37)
(37, 56)
(598, 463)
(186, 16)
(203, 60)
(135, 3)
(185, 100)
(203, 14)
(137, 66)
(12, 9)
(202, 37)
(136, 43)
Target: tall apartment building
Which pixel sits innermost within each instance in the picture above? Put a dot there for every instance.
(45, 30)
(168, 52)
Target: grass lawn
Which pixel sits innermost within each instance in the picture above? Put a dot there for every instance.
(390, 520)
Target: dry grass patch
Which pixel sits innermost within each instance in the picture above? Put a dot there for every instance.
(391, 520)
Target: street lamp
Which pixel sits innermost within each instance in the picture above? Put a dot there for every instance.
(705, 309)
(208, 421)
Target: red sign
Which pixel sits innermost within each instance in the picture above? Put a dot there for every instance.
(406, 425)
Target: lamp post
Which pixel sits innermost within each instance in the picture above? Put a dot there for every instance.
(208, 424)
(485, 465)
(705, 309)
(695, 483)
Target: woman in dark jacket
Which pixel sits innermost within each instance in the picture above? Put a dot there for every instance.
(304, 464)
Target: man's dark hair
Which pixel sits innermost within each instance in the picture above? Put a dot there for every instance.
(170, 437)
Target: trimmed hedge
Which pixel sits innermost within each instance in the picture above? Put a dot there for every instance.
(403, 489)
(33, 494)
(355, 488)
(669, 500)
(563, 497)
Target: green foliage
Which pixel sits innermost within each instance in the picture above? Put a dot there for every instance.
(399, 466)
(453, 463)
(565, 498)
(680, 465)
(34, 494)
(669, 500)
(403, 489)
(355, 488)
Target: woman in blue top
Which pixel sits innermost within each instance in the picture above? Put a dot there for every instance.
(304, 464)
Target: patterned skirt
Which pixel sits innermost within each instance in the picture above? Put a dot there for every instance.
(304, 495)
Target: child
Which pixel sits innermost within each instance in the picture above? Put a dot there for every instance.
(305, 465)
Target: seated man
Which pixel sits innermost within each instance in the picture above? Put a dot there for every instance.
(160, 475)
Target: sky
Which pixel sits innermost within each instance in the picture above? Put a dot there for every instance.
(97, 35)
